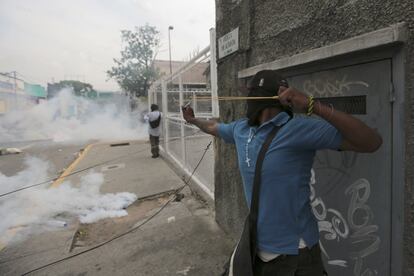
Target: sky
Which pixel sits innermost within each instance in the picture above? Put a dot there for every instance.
(46, 40)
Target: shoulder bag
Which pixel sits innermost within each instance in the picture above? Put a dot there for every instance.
(244, 255)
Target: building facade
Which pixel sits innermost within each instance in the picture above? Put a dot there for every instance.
(357, 55)
(16, 94)
(193, 79)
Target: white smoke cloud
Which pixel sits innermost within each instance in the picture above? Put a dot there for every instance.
(68, 118)
(43, 208)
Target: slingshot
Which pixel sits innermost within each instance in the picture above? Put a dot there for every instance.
(233, 98)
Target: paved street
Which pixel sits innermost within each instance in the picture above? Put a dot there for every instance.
(58, 154)
(183, 239)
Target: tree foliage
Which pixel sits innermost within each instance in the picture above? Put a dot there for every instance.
(79, 88)
(134, 71)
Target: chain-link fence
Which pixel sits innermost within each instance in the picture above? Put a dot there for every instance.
(184, 144)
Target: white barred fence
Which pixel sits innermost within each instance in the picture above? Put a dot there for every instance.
(182, 143)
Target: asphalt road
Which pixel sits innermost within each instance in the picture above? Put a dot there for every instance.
(183, 239)
(59, 155)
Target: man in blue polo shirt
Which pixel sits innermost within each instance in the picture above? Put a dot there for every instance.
(287, 231)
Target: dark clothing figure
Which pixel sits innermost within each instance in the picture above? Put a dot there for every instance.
(155, 141)
(154, 129)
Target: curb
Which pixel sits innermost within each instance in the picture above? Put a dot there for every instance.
(67, 171)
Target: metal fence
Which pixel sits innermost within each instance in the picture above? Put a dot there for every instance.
(184, 144)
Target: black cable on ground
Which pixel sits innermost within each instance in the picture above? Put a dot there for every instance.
(186, 183)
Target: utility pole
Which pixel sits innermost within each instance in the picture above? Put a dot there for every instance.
(169, 49)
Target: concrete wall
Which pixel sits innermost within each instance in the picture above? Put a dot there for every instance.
(271, 30)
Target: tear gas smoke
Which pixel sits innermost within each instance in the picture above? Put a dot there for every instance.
(44, 208)
(68, 118)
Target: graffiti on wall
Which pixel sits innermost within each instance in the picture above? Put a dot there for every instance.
(355, 227)
(354, 234)
(331, 88)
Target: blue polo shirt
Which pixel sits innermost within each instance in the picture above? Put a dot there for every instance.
(285, 213)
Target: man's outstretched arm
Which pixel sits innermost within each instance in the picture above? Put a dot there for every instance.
(207, 126)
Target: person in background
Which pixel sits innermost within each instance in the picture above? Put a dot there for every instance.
(154, 130)
(287, 231)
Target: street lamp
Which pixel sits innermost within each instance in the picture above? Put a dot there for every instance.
(169, 45)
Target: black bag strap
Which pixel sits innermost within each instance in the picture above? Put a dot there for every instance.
(254, 205)
(155, 123)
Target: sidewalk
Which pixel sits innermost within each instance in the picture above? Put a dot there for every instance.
(181, 240)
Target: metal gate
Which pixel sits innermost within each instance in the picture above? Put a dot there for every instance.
(351, 193)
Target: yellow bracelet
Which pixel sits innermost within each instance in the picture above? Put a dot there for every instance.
(310, 105)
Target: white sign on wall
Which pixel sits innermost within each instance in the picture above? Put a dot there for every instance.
(228, 43)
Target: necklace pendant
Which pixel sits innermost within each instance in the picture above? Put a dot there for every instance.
(248, 162)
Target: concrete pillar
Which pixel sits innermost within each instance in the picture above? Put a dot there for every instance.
(213, 74)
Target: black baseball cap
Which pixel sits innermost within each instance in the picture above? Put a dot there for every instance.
(267, 82)
(264, 83)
